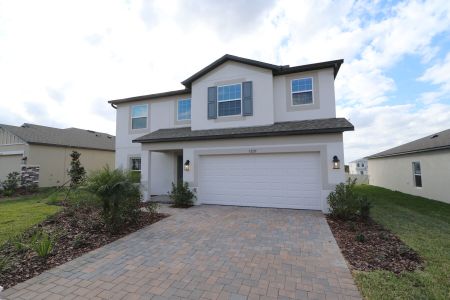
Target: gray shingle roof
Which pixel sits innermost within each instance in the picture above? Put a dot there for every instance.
(437, 141)
(332, 125)
(71, 137)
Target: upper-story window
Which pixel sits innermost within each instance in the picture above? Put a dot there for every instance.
(302, 91)
(229, 100)
(184, 109)
(357, 165)
(139, 115)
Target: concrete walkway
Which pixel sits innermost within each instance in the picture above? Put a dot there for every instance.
(207, 252)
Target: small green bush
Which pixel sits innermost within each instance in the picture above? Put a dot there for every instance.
(11, 183)
(42, 244)
(343, 201)
(360, 238)
(364, 207)
(19, 245)
(152, 207)
(182, 195)
(119, 196)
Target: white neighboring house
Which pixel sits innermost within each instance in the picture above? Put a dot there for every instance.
(241, 132)
(421, 167)
(358, 167)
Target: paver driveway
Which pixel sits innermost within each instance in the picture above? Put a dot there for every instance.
(208, 252)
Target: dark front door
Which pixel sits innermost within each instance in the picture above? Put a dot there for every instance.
(180, 169)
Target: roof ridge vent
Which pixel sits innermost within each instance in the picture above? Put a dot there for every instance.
(434, 136)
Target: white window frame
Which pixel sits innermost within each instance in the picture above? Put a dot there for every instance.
(307, 91)
(146, 116)
(219, 86)
(178, 105)
(417, 174)
(131, 163)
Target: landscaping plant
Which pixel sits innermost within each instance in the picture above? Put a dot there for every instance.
(4, 264)
(182, 195)
(343, 201)
(76, 172)
(11, 184)
(42, 244)
(364, 207)
(152, 207)
(119, 195)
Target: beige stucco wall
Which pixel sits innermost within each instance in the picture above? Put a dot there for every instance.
(232, 73)
(323, 97)
(395, 173)
(55, 161)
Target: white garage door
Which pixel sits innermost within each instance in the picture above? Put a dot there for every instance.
(290, 180)
(8, 164)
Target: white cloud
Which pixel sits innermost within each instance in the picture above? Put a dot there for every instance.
(61, 61)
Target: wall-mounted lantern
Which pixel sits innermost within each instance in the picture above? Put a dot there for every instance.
(24, 160)
(187, 165)
(336, 162)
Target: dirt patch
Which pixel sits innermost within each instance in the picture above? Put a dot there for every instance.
(75, 232)
(368, 246)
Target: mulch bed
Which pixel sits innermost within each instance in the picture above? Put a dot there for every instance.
(76, 232)
(380, 250)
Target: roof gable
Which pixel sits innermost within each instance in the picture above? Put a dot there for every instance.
(276, 69)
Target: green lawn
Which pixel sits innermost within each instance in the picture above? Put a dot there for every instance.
(21, 213)
(422, 224)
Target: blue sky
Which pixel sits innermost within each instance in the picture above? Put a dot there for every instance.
(60, 61)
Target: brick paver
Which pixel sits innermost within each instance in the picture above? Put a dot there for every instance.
(207, 252)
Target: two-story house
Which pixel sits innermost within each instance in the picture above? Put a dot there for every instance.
(241, 132)
(358, 166)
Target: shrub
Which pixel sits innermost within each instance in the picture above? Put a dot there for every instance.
(19, 245)
(364, 207)
(343, 201)
(182, 195)
(360, 238)
(152, 207)
(42, 244)
(76, 172)
(120, 197)
(11, 184)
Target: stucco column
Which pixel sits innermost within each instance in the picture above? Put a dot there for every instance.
(146, 174)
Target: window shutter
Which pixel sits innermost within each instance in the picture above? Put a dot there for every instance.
(247, 98)
(212, 102)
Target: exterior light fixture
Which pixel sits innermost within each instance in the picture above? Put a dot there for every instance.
(187, 165)
(336, 162)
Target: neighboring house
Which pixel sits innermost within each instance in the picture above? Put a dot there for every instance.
(421, 167)
(49, 148)
(358, 167)
(241, 132)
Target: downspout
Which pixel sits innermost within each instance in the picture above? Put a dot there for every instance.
(114, 106)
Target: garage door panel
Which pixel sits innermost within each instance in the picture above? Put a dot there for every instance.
(289, 180)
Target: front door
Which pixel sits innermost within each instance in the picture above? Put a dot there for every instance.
(179, 169)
